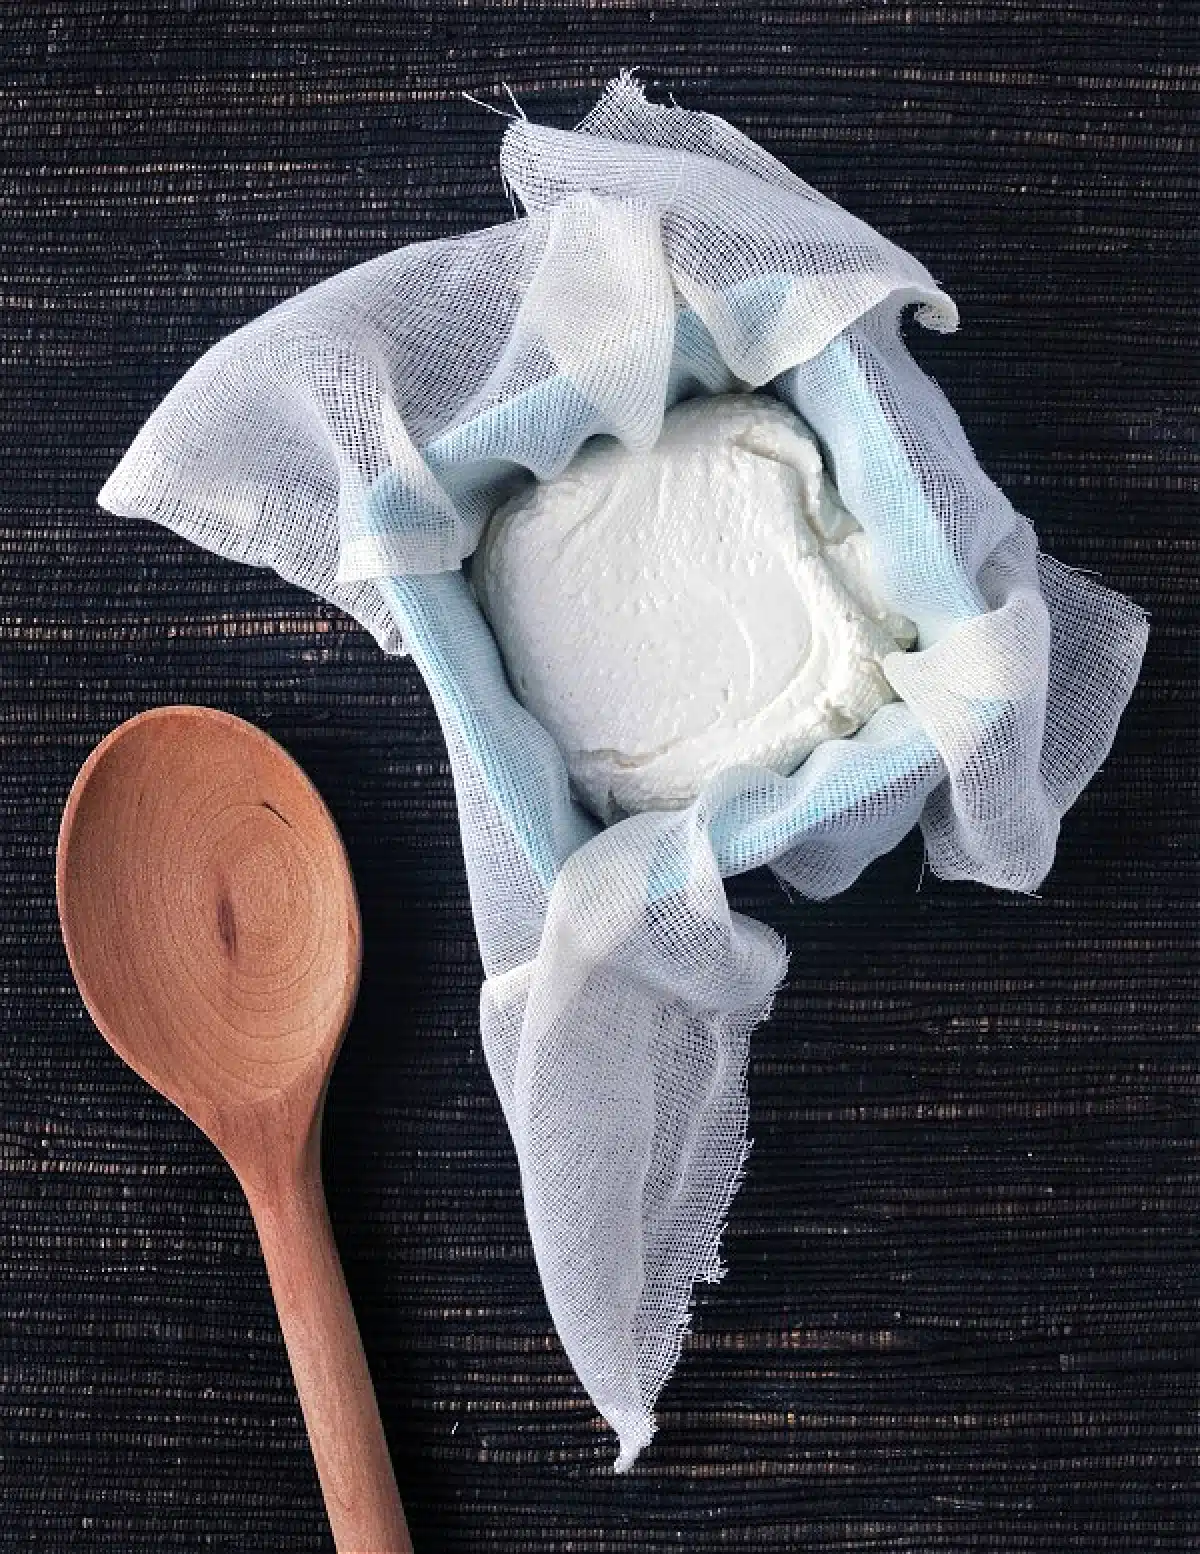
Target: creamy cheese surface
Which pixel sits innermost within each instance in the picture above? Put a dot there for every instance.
(707, 604)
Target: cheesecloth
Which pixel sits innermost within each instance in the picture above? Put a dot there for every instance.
(356, 439)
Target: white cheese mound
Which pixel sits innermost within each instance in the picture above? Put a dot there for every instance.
(707, 604)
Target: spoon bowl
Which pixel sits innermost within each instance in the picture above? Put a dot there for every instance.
(212, 926)
(210, 918)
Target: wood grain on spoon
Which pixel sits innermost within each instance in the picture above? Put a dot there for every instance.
(211, 923)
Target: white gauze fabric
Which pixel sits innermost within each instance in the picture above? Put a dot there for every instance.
(357, 437)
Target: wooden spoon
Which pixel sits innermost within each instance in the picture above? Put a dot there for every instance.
(212, 926)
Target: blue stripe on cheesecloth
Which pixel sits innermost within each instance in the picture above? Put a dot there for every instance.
(539, 430)
(542, 428)
(520, 763)
(761, 815)
(697, 366)
(922, 564)
(753, 816)
(433, 517)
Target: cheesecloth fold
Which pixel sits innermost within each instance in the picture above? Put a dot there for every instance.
(356, 439)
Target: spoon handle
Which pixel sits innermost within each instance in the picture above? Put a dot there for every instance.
(336, 1395)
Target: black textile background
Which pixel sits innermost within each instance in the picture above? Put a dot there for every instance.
(961, 1292)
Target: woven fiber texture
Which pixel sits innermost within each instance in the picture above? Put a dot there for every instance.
(961, 1282)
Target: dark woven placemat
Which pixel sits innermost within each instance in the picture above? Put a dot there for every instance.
(961, 1290)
